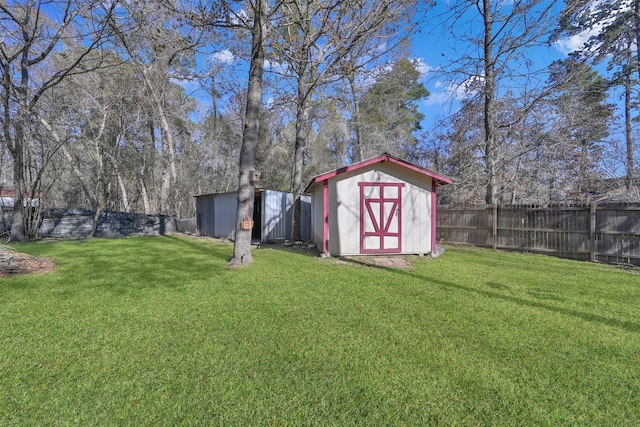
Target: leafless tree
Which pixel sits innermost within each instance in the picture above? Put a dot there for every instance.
(34, 31)
(320, 43)
(491, 40)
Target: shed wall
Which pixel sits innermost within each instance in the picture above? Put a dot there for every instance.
(277, 215)
(344, 208)
(317, 217)
(305, 217)
(225, 212)
(205, 214)
(276, 205)
(216, 215)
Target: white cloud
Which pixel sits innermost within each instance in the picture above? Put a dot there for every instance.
(437, 98)
(422, 66)
(239, 17)
(449, 91)
(575, 42)
(276, 67)
(468, 88)
(578, 41)
(224, 57)
(269, 102)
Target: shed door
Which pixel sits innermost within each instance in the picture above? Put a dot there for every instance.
(380, 217)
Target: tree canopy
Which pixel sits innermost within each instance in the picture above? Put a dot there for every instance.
(138, 106)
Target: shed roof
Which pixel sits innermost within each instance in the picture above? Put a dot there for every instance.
(439, 178)
(258, 190)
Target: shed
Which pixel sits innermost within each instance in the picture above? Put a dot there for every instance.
(383, 205)
(272, 215)
(7, 198)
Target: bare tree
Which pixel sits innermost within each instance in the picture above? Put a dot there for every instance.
(490, 57)
(153, 40)
(246, 190)
(318, 41)
(33, 31)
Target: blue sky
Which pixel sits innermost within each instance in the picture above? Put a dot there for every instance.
(431, 49)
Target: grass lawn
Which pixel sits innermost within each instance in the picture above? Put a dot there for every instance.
(158, 331)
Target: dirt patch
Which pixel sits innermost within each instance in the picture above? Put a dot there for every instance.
(392, 261)
(12, 262)
(631, 270)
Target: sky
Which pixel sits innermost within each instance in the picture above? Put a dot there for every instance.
(431, 49)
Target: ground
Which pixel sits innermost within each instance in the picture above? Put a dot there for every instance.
(12, 262)
(393, 261)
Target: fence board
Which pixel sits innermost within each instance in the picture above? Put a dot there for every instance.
(605, 233)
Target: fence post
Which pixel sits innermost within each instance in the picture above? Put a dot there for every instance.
(592, 233)
(494, 226)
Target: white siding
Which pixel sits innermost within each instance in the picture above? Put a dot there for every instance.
(416, 219)
(344, 208)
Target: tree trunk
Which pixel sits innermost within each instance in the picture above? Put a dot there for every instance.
(18, 229)
(123, 189)
(82, 179)
(628, 131)
(630, 153)
(16, 144)
(169, 173)
(246, 192)
(96, 220)
(302, 135)
(145, 195)
(168, 156)
(490, 153)
(358, 152)
(123, 192)
(17, 220)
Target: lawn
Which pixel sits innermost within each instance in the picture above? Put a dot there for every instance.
(158, 331)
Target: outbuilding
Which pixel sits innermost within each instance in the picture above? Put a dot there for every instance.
(272, 215)
(383, 205)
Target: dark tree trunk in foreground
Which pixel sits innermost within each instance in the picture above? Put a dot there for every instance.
(242, 245)
(489, 107)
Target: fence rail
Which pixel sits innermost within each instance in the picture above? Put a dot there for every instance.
(608, 233)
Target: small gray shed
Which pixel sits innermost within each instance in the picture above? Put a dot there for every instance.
(272, 215)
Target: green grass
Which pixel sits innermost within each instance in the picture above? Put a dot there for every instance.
(158, 331)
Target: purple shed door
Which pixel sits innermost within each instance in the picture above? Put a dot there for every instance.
(380, 217)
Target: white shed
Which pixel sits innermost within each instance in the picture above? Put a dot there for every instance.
(272, 215)
(383, 205)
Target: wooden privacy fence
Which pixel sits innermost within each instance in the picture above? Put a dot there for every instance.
(607, 233)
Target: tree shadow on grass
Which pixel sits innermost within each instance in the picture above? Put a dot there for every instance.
(130, 266)
(216, 252)
(589, 317)
(295, 249)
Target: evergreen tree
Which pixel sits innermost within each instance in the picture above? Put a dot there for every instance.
(389, 113)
